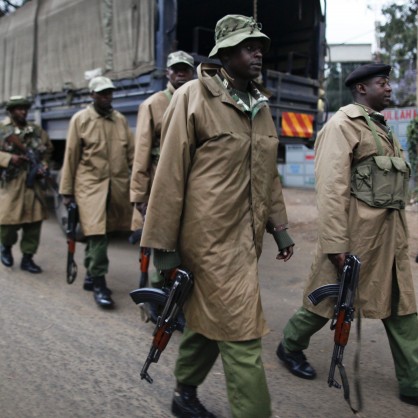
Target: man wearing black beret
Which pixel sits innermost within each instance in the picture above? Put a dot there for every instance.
(362, 184)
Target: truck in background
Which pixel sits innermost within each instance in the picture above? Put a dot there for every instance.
(50, 47)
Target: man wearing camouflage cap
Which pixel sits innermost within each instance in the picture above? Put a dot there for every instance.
(180, 70)
(362, 187)
(215, 191)
(22, 198)
(95, 174)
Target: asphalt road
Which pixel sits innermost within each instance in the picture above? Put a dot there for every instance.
(63, 357)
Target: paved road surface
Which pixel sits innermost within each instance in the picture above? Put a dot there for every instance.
(62, 357)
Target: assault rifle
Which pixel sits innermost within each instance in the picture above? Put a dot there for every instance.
(71, 229)
(172, 296)
(36, 168)
(345, 290)
(144, 257)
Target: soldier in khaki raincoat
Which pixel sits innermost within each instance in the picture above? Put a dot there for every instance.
(215, 189)
(357, 160)
(96, 174)
(22, 199)
(180, 69)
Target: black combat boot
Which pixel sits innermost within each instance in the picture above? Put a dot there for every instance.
(101, 293)
(187, 405)
(6, 255)
(29, 265)
(88, 284)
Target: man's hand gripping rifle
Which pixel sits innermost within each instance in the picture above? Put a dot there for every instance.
(172, 296)
(345, 290)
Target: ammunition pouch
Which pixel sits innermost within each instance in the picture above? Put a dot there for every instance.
(381, 181)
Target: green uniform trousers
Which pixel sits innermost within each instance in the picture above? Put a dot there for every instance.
(96, 261)
(31, 234)
(402, 332)
(244, 371)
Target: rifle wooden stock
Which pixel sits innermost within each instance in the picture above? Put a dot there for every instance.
(342, 328)
(144, 257)
(144, 260)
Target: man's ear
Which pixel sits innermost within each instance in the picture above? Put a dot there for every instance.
(361, 88)
(167, 73)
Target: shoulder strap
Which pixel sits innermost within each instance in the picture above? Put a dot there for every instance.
(372, 127)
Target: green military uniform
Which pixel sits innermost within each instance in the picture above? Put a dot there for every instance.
(357, 214)
(147, 143)
(21, 206)
(97, 161)
(218, 162)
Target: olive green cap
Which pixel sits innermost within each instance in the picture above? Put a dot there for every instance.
(180, 57)
(18, 101)
(233, 29)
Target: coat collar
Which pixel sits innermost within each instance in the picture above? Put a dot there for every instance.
(206, 74)
(94, 115)
(209, 75)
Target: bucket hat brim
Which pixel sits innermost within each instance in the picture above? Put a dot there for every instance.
(238, 37)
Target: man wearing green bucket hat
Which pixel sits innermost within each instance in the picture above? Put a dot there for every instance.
(215, 192)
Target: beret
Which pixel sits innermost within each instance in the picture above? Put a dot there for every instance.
(367, 71)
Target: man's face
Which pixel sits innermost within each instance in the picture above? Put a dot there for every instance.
(19, 115)
(377, 92)
(179, 74)
(245, 60)
(103, 99)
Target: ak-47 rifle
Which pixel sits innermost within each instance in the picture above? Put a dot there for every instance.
(71, 229)
(144, 257)
(36, 167)
(173, 295)
(345, 290)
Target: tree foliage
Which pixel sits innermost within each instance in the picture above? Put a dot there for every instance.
(398, 47)
(412, 141)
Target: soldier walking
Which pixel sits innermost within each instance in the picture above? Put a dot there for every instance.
(22, 195)
(95, 174)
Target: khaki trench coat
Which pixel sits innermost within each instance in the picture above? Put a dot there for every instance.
(20, 204)
(215, 188)
(98, 156)
(378, 236)
(147, 141)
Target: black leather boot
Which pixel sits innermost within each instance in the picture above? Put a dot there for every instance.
(101, 293)
(29, 265)
(6, 255)
(296, 363)
(186, 404)
(88, 284)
